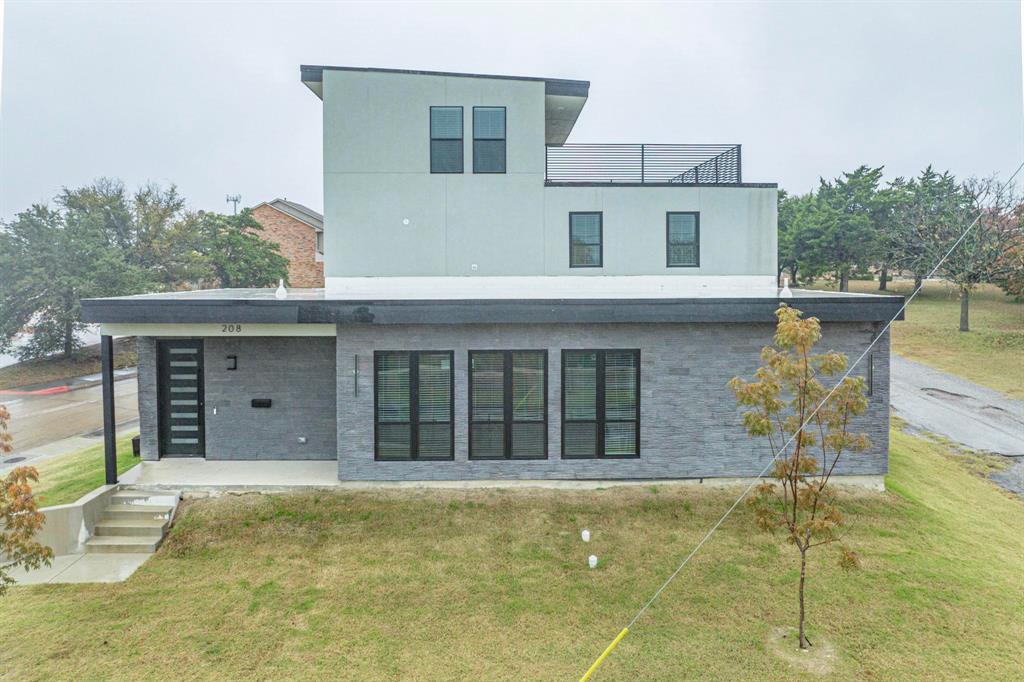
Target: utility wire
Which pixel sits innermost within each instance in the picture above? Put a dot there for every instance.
(754, 481)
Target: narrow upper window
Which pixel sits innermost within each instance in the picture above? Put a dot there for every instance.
(600, 403)
(445, 139)
(320, 243)
(682, 236)
(488, 139)
(585, 234)
(413, 404)
(508, 404)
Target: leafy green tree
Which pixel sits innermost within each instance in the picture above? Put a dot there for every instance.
(1011, 263)
(100, 240)
(786, 394)
(145, 226)
(841, 231)
(789, 209)
(981, 255)
(51, 260)
(923, 209)
(233, 252)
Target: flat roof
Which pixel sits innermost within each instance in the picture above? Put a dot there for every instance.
(314, 73)
(316, 306)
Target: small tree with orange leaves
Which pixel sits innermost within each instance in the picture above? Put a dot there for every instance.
(20, 518)
(807, 426)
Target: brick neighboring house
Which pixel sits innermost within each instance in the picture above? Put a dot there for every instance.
(299, 230)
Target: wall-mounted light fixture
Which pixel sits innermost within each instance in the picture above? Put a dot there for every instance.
(232, 362)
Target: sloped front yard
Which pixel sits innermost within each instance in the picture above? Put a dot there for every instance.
(494, 585)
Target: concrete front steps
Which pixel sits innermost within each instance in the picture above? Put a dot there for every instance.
(134, 522)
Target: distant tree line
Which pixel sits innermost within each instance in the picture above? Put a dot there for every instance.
(855, 225)
(102, 240)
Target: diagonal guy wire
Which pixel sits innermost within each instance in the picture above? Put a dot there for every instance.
(815, 411)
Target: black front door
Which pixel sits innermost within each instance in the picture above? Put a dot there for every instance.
(180, 398)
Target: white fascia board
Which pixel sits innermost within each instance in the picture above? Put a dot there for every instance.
(552, 286)
(227, 329)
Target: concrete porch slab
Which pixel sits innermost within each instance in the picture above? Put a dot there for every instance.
(84, 568)
(190, 474)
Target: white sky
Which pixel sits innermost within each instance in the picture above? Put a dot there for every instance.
(208, 95)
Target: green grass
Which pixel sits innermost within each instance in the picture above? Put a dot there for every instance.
(64, 479)
(492, 585)
(56, 368)
(991, 354)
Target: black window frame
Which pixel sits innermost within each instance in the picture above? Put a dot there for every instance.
(600, 243)
(461, 140)
(599, 419)
(414, 406)
(696, 239)
(508, 420)
(504, 141)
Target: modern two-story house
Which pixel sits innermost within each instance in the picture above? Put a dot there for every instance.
(499, 303)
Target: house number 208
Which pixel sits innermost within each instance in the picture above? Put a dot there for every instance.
(230, 328)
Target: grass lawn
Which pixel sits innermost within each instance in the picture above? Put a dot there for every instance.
(488, 585)
(64, 479)
(991, 354)
(85, 362)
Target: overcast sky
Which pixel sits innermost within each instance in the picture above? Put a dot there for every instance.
(208, 96)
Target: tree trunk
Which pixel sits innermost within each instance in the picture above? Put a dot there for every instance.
(844, 280)
(965, 300)
(68, 337)
(803, 579)
(918, 281)
(883, 278)
(793, 281)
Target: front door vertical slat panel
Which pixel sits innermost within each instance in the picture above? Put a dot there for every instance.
(180, 398)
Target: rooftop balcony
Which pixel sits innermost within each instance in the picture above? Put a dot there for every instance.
(643, 164)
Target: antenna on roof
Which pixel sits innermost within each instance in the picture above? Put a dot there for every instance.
(233, 199)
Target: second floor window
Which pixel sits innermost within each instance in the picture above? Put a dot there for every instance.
(445, 139)
(488, 139)
(683, 239)
(585, 235)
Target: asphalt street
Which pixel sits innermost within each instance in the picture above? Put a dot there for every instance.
(39, 420)
(971, 415)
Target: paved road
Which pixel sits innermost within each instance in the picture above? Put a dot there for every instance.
(972, 415)
(39, 420)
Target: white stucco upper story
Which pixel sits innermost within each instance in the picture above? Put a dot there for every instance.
(387, 214)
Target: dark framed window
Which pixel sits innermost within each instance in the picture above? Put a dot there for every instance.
(488, 139)
(413, 393)
(586, 233)
(446, 140)
(682, 239)
(508, 404)
(600, 403)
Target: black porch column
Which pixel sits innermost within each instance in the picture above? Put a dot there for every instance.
(109, 435)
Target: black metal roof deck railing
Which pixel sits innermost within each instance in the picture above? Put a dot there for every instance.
(644, 164)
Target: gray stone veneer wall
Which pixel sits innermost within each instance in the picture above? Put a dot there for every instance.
(296, 373)
(148, 424)
(690, 426)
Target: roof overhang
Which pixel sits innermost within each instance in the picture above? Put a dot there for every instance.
(312, 307)
(563, 99)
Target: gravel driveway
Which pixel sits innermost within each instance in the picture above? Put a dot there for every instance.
(972, 415)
